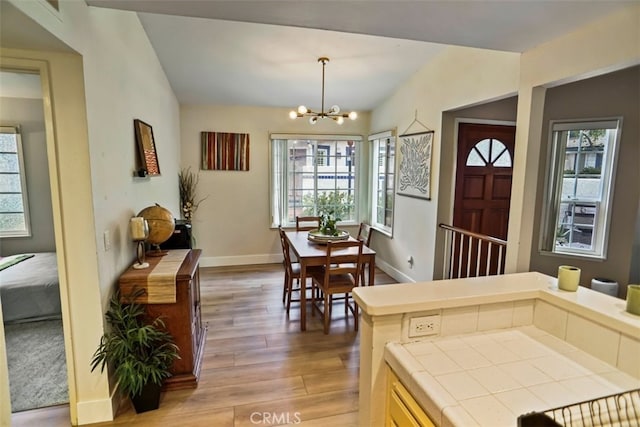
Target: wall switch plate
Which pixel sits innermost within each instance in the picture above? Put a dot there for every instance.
(423, 326)
(107, 240)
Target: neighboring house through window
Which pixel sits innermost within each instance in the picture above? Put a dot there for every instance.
(314, 174)
(383, 146)
(14, 212)
(579, 184)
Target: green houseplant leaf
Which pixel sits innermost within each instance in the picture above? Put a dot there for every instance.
(139, 352)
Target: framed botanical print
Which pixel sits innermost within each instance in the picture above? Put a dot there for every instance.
(414, 160)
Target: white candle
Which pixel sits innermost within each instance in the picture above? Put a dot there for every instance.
(139, 228)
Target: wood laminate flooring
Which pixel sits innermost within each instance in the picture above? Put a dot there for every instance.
(258, 368)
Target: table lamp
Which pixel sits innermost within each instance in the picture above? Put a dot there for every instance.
(139, 229)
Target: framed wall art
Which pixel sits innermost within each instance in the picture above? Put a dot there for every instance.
(225, 151)
(414, 160)
(146, 148)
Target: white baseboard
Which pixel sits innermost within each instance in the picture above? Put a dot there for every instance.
(277, 258)
(396, 274)
(240, 260)
(96, 411)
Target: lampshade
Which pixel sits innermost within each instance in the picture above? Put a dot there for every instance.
(139, 228)
(332, 113)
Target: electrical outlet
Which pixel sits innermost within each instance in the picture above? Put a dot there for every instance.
(426, 325)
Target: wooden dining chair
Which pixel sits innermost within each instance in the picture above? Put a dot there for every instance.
(341, 273)
(364, 234)
(307, 223)
(291, 273)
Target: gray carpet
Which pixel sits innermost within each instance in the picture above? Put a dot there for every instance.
(37, 367)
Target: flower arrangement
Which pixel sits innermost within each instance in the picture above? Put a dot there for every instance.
(329, 224)
(188, 181)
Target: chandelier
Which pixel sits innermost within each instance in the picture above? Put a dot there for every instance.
(332, 113)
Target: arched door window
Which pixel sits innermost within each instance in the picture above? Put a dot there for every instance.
(489, 152)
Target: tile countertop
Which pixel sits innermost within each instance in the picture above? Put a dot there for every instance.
(440, 294)
(490, 378)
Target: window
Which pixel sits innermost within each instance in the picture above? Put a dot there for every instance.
(489, 152)
(314, 174)
(579, 187)
(383, 183)
(14, 212)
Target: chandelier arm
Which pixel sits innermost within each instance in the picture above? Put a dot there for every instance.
(333, 113)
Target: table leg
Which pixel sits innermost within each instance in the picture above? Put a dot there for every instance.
(303, 295)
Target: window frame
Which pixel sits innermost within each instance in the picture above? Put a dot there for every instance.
(16, 130)
(389, 137)
(554, 181)
(279, 172)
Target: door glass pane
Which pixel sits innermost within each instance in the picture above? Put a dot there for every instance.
(474, 159)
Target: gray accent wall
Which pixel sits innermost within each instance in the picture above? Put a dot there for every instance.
(610, 95)
(28, 113)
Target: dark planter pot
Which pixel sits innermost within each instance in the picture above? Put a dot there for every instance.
(148, 399)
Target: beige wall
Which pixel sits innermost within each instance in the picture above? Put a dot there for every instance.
(232, 226)
(29, 115)
(611, 95)
(458, 77)
(96, 94)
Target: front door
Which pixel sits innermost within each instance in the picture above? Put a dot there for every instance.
(483, 179)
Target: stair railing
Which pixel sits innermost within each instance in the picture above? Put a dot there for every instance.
(469, 254)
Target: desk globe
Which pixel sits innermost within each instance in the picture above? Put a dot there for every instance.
(161, 226)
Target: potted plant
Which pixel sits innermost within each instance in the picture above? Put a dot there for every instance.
(140, 352)
(329, 224)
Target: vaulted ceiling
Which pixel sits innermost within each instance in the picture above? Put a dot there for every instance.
(264, 52)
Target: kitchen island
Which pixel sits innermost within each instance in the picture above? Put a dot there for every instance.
(526, 307)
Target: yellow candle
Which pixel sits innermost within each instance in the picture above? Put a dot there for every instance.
(139, 228)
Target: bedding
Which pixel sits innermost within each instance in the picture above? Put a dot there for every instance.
(29, 289)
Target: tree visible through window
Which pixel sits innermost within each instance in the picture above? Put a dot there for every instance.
(579, 187)
(312, 175)
(14, 213)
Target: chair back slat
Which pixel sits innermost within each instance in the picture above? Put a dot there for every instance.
(364, 233)
(342, 260)
(285, 250)
(307, 223)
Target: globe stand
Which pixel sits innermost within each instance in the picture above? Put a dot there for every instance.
(141, 264)
(156, 251)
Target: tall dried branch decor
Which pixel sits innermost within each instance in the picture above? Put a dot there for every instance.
(188, 181)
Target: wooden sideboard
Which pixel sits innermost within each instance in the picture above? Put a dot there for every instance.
(183, 318)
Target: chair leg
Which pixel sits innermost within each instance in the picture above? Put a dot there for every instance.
(327, 312)
(355, 314)
(285, 287)
(289, 292)
(346, 305)
(314, 295)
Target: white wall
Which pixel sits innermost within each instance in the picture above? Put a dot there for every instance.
(458, 77)
(96, 94)
(28, 113)
(232, 225)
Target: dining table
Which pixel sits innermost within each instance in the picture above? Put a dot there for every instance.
(310, 253)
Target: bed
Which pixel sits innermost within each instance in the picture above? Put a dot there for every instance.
(29, 288)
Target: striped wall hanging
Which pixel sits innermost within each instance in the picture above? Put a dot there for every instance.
(225, 151)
